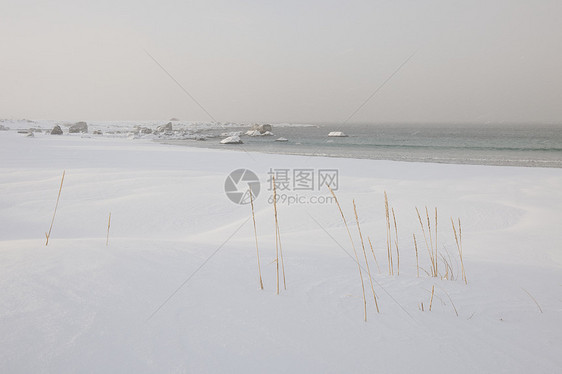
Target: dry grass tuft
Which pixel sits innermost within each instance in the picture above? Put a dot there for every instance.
(48, 234)
(458, 240)
(432, 257)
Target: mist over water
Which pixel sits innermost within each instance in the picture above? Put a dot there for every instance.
(511, 145)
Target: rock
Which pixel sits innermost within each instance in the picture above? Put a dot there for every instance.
(337, 134)
(174, 119)
(258, 133)
(98, 132)
(4, 128)
(262, 128)
(78, 127)
(281, 139)
(56, 130)
(232, 140)
(145, 130)
(165, 128)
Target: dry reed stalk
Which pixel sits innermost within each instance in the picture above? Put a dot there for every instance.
(433, 251)
(282, 258)
(278, 248)
(108, 226)
(365, 254)
(451, 300)
(48, 235)
(417, 260)
(396, 243)
(354, 251)
(531, 296)
(459, 247)
(431, 301)
(256, 236)
(436, 248)
(460, 242)
(422, 306)
(448, 275)
(375, 257)
(388, 238)
(426, 243)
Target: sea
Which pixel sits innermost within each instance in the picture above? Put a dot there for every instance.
(504, 145)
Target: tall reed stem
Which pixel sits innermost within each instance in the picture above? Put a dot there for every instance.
(108, 226)
(388, 237)
(365, 254)
(396, 243)
(278, 248)
(48, 234)
(417, 260)
(354, 251)
(375, 257)
(256, 236)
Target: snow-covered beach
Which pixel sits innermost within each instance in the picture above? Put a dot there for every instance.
(177, 288)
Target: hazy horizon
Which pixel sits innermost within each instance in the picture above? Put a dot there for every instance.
(269, 61)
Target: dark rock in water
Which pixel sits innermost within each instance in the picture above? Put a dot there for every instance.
(165, 128)
(4, 128)
(78, 127)
(23, 131)
(98, 132)
(174, 119)
(145, 130)
(56, 130)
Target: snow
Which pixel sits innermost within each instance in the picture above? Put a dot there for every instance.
(177, 290)
(235, 139)
(338, 134)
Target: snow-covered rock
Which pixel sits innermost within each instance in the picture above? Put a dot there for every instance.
(165, 128)
(262, 128)
(281, 139)
(232, 140)
(337, 134)
(258, 133)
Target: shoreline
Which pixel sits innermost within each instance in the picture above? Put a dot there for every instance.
(240, 148)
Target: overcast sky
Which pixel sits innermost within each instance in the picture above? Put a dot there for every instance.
(282, 60)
